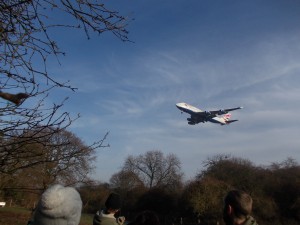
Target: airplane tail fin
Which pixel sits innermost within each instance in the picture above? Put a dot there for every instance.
(227, 117)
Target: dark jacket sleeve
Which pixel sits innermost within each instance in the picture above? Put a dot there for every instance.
(96, 220)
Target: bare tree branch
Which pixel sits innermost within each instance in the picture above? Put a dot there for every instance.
(26, 45)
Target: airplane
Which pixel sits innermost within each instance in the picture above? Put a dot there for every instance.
(199, 116)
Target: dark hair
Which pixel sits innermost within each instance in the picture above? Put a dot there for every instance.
(113, 201)
(240, 201)
(146, 218)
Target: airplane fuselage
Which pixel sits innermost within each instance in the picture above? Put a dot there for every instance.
(200, 116)
(184, 107)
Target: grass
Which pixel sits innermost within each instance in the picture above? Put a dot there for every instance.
(86, 219)
(14, 215)
(20, 216)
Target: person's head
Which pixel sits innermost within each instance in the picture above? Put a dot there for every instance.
(113, 203)
(146, 218)
(58, 205)
(237, 207)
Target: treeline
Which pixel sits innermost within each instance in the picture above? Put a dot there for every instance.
(154, 181)
(275, 190)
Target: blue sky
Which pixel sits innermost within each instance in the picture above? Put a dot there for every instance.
(211, 54)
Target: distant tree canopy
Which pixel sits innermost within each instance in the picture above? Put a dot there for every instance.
(238, 172)
(268, 187)
(149, 181)
(94, 195)
(275, 191)
(63, 158)
(26, 45)
(155, 170)
(205, 197)
(126, 180)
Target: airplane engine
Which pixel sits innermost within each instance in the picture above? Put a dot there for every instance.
(222, 111)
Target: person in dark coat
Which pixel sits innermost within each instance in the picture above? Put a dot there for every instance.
(107, 216)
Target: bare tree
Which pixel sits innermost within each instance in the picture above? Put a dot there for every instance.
(125, 180)
(63, 158)
(155, 170)
(25, 48)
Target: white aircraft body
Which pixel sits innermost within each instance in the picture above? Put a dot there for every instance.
(199, 116)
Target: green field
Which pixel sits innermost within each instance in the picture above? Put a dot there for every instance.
(20, 216)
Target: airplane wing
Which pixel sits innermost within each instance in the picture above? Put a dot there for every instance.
(195, 119)
(213, 113)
